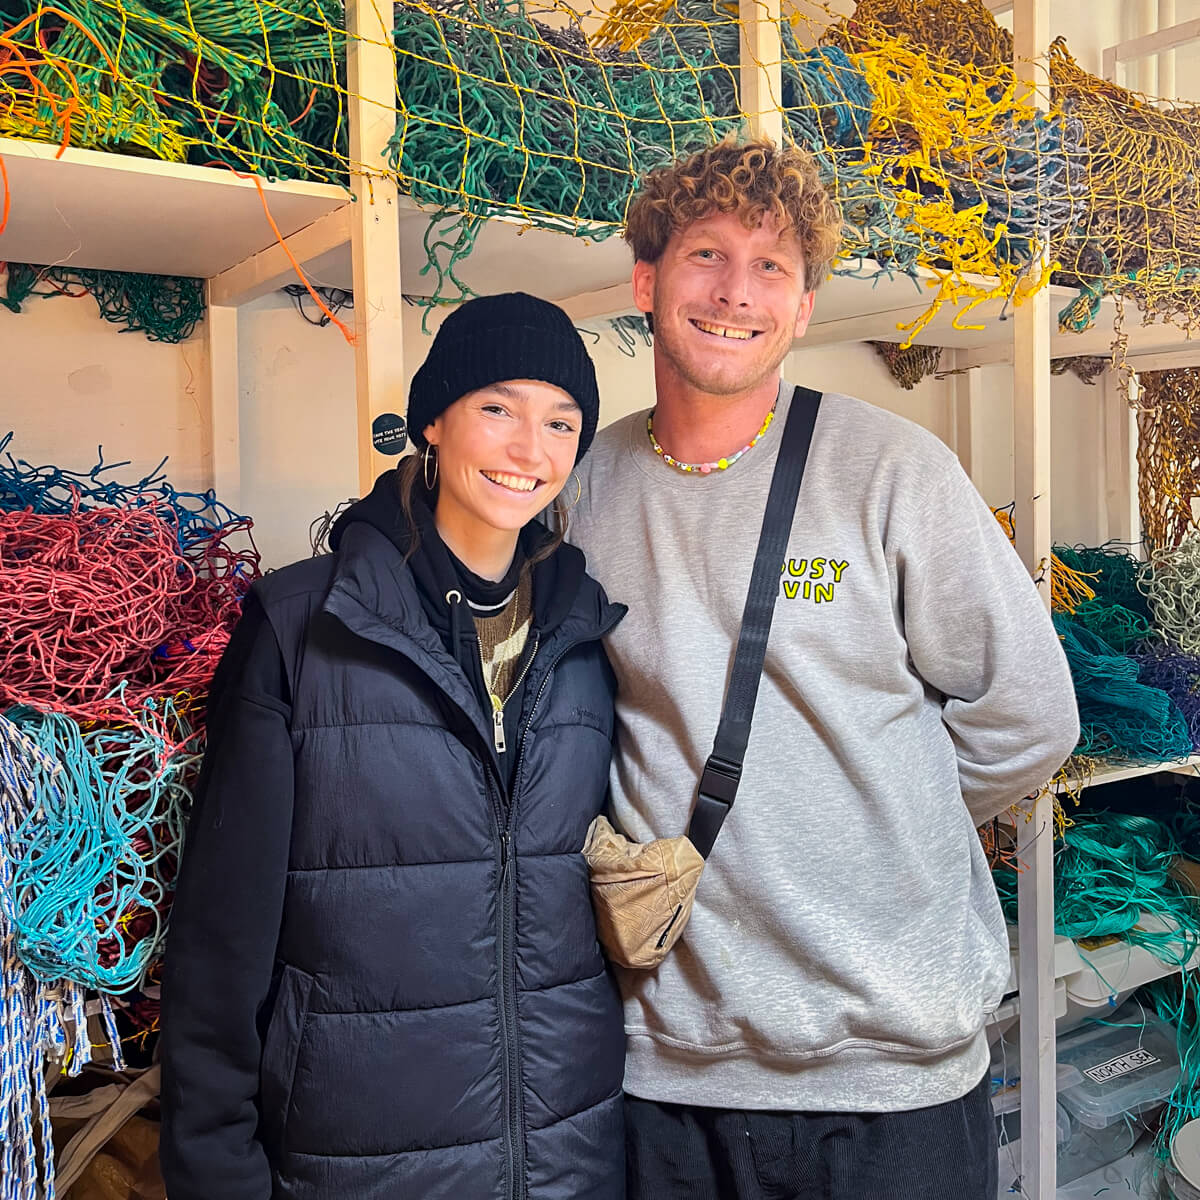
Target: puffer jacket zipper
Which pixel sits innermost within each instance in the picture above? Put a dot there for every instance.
(506, 971)
(514, 1131)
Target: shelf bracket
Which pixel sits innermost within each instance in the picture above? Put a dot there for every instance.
(269, 269)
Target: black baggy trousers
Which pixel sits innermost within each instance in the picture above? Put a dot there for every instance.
(687, 1152)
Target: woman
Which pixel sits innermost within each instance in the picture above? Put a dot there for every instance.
(382, 977)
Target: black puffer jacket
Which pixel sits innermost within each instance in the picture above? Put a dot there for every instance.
(406, 1001)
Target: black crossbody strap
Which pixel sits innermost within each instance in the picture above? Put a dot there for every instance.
(723, 771)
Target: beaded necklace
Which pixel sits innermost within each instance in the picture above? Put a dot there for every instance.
(722, 464)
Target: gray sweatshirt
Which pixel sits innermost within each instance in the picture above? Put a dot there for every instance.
(847, 941)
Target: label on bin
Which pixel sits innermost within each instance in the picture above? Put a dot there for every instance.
(1123, 1064)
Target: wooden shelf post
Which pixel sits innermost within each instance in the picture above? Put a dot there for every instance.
(761, 71)
(1035, 837)
(374, 227)
(221, 348)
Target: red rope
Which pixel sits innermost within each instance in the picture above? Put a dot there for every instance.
(100, 612)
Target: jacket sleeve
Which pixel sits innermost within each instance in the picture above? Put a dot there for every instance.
(225, 926)
(979, 633)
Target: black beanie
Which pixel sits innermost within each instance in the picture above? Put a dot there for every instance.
(495, 338)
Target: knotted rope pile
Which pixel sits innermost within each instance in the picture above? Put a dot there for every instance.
(116, 600)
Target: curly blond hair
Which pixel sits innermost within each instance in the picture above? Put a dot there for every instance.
(750, 177)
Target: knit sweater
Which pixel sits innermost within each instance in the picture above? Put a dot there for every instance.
(847, 942)
(502, 638)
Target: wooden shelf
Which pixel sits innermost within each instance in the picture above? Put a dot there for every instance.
(1066, 960)
(116, 212)
(1119, 966)
(1184, 766)
(858, 310)
(509, 256)
(123, 213)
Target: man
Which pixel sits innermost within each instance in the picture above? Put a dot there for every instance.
(818, 1032)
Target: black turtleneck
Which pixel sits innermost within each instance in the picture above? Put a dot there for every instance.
(487, 597)
(438, 574)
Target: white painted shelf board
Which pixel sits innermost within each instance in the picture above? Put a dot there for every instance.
(126, 213)
(858, 309)
(1120, 967)
(509, 255)
(118, 212)
(592, 280)
(1190, 766)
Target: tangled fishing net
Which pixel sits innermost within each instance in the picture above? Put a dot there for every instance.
(116, 600)
(199, 517)
(92, 865)
(933, 165)
(1111, 871)
(1136, 686)
(256, 86)
(941, 160)
(106, 606)
(85, 600)
(1085, 367)
(164, 308)
(499, 113)
(1133, 702)
(1121, 170)
(964, 31)
(1115, 571)
(1168, 455)
(1178, 674)
(1119, 717)
(1171, 585)
(92, 828)
(963, 123)
(1139, 233)
(908, 366)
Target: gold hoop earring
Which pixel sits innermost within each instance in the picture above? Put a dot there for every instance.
(429, 483)
(578, 492)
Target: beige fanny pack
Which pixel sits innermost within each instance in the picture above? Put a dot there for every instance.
(643, 892)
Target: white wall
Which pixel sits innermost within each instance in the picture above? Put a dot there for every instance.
(1076, 438)
(297, 409)
(70, 381)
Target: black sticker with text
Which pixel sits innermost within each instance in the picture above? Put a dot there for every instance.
(389, 434)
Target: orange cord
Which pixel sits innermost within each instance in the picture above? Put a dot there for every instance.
(4, 209)
(16, 61)
(307, 108)
(347, 333)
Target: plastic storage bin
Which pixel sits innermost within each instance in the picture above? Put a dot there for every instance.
(1008, 1137)
(1121, 1073)
(1090, 1149)
(1006, 1104)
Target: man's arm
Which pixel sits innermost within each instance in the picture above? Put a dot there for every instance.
(978, 632)
(225, 928)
